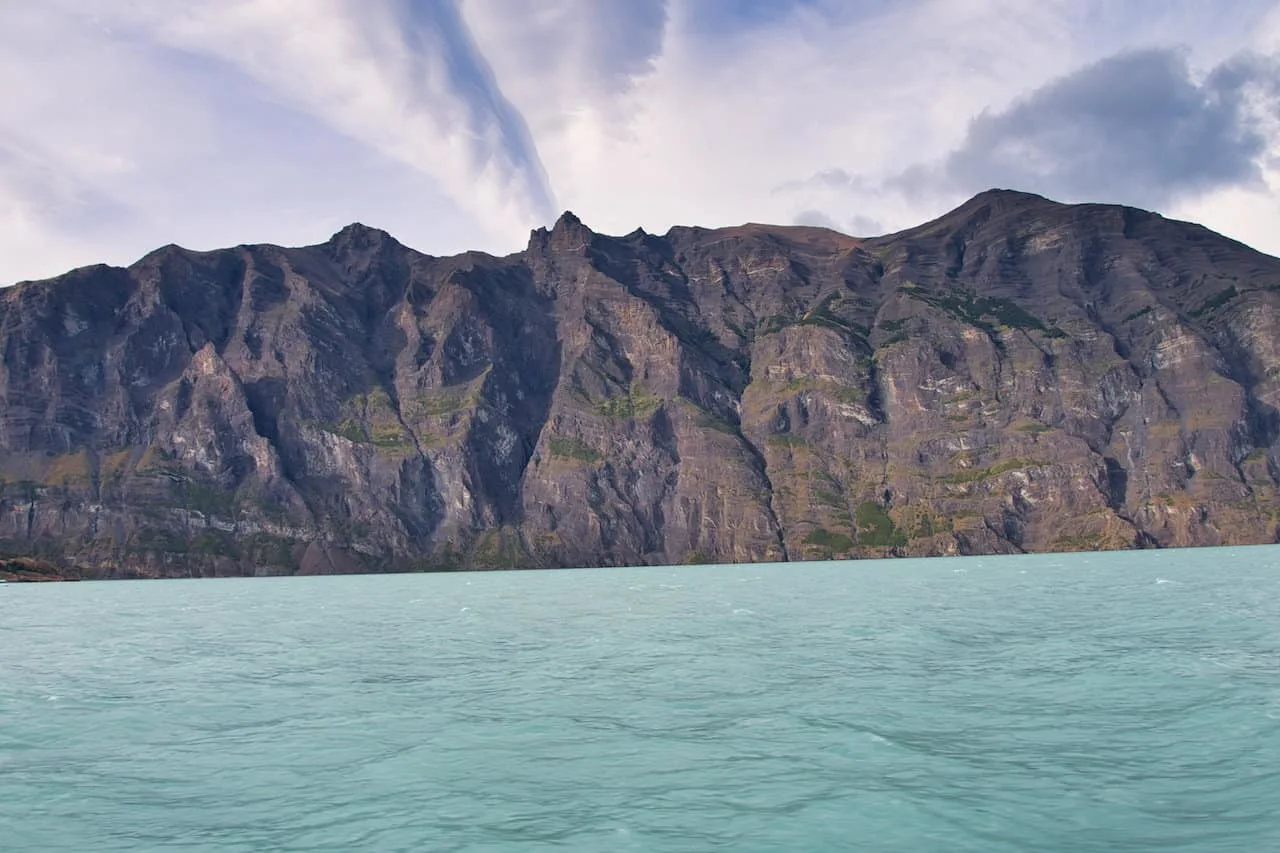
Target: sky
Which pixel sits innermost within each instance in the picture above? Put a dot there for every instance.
(126, 125)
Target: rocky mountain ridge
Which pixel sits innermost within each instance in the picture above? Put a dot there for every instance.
(1017, 375)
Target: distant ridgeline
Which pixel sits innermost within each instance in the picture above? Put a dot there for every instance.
(1018, 375)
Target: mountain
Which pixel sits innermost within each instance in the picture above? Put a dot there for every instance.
(1017, 375)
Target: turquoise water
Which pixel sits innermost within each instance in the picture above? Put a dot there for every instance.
(1126, 701)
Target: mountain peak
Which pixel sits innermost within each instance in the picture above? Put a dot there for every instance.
(983, 207)
(1004, 199)
(358, 237)
(166, 255)
(357, 230)
(567, 220)
(568, 234)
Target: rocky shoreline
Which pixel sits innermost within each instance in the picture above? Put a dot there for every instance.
(28, 570)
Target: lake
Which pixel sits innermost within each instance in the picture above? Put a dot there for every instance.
(1117, 701)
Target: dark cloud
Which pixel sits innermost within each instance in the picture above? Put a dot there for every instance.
(865, 226)
(816, 219)
(1135, 128)
(435, 30)
(625, 40)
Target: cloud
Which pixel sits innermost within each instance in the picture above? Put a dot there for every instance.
(858, 225)
(815, 218)
(37, 200)
(572, 68)
(113, 143)
(714, 19)
(404, 78)
(828, 179)
(460, 124)
(1135, 127)
(723, 121)
(564, 55)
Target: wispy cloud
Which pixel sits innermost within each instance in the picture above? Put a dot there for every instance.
(404, 78)
(463, 123)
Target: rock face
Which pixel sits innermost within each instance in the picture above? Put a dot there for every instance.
(1018, 375)
(28, 570)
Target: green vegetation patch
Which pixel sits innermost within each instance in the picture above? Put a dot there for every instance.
(875, 528)
(707, 420)
(390, 435)
(349, 429)
(375, 419)
(156, 461)
(893, 339)
(1035, 428)
(112, 466)
(1086, 542)
(823, 314)
(572, 448)
(786, 439)
(773, 325)
(446, 401)
(823, 538)
(638, 402)
(704, 418)
(22, 489)
(837, 391)
(499, 549)
(828, 498)
(988, 313)
(978, 474)
(68, 468)
(1141, 312)
(1215, 302)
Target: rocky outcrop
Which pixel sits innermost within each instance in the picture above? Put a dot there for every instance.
(27, 570)
(1018, 375)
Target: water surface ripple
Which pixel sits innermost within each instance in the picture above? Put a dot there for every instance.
(1113, 702)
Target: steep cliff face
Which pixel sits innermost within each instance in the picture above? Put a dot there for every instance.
(1018, 375)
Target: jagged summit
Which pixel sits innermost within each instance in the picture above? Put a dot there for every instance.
(357, 233)
(357, 245)
(566, 221)
(569, 230)
(567, 234)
